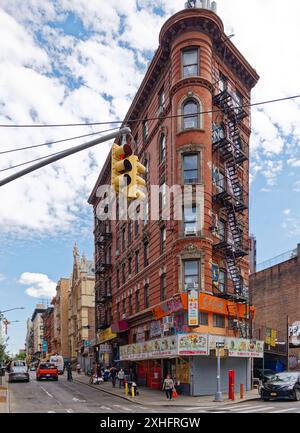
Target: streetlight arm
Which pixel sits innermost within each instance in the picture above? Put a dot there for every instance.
(65, 153)
(12, 309)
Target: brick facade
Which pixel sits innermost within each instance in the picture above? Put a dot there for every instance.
(162, 248)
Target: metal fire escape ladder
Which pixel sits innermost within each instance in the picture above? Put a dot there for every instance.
(239, 326)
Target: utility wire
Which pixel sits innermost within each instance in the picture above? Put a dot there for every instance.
(138, 120)
(55, 142)
(149, 118)
(51, 154)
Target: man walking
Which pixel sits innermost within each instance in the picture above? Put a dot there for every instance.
(113, 375)
(69, 371)
(121, 377)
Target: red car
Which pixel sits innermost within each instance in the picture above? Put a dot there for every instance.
(47, 370)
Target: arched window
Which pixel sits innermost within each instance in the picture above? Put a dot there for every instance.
(190, 111)
(162, 148)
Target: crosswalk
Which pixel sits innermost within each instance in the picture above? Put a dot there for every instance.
(246, 408)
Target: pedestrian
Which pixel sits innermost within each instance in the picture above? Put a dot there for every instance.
(106, 374)
(168, 386)
(121, 377)
(113, 375)
(69, 371)
(78, 368)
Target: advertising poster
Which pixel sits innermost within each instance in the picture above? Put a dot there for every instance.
(192, 344)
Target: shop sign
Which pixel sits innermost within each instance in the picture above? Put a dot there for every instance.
(294, 339)
(105, 348)
(238, 347)
(192, 344)
(169, 307)
(106, 335)
(155, 329)
(193, 308)
(152, 349)
(270, 337)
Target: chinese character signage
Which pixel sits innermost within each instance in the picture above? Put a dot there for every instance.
(193, 308)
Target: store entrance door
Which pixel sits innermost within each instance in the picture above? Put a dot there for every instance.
(169, 367)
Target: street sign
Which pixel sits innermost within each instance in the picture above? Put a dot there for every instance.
(44, 346)
(220, 344)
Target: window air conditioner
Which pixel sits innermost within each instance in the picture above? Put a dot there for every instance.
(190, 232)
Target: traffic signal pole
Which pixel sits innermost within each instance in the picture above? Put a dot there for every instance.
(65, 153)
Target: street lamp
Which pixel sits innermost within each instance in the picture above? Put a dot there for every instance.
(12, 309)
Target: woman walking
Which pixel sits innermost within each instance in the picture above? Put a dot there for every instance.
(168, 386)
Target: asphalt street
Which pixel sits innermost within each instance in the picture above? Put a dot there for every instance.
(75, 397)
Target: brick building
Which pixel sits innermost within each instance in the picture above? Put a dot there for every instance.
(48, 325)
(81, 310)
(195, 133)
(61, 325)
(275, 291)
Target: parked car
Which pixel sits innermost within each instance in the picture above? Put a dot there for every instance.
(282, 385)
(263, 374)
(32, 367)
(47, 370)
(18, 371)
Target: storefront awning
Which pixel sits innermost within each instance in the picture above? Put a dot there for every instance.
(120, 326)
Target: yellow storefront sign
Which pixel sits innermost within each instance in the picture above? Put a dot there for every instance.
(106, 335)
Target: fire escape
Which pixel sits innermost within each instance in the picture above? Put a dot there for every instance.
(103, 237)
(230, 197)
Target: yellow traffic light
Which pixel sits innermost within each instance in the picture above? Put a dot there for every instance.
(126, 169)
(134, 181)
(119, 164)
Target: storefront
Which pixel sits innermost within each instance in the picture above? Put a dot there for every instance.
(104, 347)
(190, 359)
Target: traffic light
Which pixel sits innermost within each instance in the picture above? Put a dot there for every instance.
(134, 181)
(126, 168)
(119, 164)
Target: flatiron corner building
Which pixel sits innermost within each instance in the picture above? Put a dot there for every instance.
(167, 291)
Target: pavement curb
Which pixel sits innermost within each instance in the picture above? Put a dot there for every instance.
(214, 405)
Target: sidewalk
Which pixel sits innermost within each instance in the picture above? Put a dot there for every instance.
(3, 395)
(151, 397)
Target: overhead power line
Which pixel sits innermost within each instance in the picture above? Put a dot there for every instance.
(56, 142)
(142, 120)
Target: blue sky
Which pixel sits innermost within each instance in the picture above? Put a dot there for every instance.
(75, 61)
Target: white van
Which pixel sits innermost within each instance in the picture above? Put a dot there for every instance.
(59, 362)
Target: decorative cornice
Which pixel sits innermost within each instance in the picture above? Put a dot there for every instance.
(191, 81)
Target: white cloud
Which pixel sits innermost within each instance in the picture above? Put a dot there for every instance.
(40, 285)
(287, 212)
(48, 76)
(2, 277)
(297, 186)
(294, 162)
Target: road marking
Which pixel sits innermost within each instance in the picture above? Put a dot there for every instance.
(79, 401)
(51, 411)
(197, 408)
(105, 408)
(47, 392)
(240, 409)
(123, 407)
(235, 406)
(70, 410)
(259, 409)
(284, 410)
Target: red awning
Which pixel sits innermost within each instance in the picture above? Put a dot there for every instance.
(120, 326)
